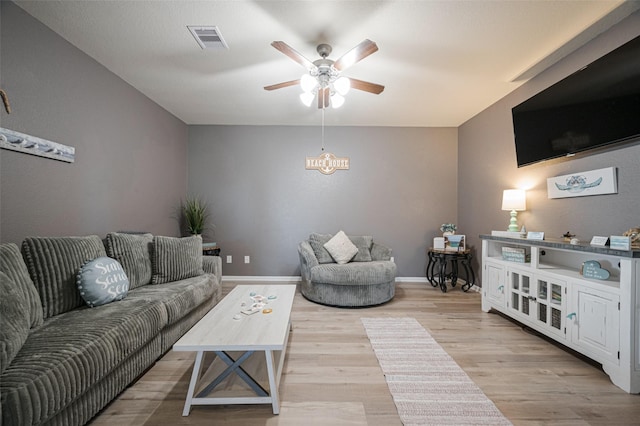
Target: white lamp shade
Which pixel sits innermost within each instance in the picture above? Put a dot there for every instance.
(308, 83)
(514, 199)
(307, 98)
(337, 101)
(342, 85)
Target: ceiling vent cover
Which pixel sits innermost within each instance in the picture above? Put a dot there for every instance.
(208, 37)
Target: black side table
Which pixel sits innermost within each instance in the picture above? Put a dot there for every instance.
(438, 273)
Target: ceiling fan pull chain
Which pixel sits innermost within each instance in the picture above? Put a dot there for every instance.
(322, 129)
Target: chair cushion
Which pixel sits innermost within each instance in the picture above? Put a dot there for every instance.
(133, 251)
(176, 259)
(12, 264)
(355, 273)
(341, 249)
(14, 317)
(317, 242)
(102, 281)
(53, 263)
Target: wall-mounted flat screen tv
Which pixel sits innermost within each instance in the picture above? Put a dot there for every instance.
(594, 107)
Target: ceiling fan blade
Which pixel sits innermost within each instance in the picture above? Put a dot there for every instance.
(358, 53)
(293, 54)
(323, 98)
(281, 85)
(366, 86)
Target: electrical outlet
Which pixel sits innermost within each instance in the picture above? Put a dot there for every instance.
(247, 259)
(229, 259)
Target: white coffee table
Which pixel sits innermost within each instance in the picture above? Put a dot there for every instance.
(220, 333)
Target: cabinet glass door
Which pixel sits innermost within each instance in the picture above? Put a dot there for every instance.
(520, 292)
(551, 304)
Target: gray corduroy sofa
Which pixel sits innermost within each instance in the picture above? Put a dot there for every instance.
(367, 280)
(61, 361)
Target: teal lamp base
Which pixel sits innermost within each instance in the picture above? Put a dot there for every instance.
(513, 223)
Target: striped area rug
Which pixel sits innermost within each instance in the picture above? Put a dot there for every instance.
(427, 385)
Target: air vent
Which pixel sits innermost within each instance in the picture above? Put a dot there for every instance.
(208, 37)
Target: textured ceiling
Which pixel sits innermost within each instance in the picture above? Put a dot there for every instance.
(441, 62)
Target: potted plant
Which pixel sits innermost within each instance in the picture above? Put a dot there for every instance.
(195, 215)
(448, 229)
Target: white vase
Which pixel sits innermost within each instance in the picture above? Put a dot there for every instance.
(447, 233)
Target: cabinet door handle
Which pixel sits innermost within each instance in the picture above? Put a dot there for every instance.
(572, 315)
(533, 299)
(501, 289)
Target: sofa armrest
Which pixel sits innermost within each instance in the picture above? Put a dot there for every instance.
(380, 252)
(213, 265)
(307, 259)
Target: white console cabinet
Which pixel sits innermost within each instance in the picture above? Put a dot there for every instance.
(598, 318)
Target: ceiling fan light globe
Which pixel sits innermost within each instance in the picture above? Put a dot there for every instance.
(337, 100)
(307, 98)
(308, 83)
(342, 85)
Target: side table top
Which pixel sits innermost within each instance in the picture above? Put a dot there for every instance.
(449, 251)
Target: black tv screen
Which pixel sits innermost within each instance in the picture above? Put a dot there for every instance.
(594, 107)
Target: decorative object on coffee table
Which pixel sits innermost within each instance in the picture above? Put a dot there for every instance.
(448, 229)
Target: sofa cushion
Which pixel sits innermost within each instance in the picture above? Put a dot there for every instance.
(12, 264)
(133, 251)
(175, 259)
(355, 273)
(364, 244)
(71, 352)
(178, 297)
(14, 317)
(341, 249)
(53, 263)
(102, 281)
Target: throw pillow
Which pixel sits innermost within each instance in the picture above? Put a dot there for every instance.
(133, 251)
(176, 258)
(15, 320)
(317, 242)
(364, 244)
(12, 264)
(102, 281)
(341, 248)
(53, 264)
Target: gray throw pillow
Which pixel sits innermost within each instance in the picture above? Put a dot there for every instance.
(12, 264)
(14, 318)
(317, 242)
(53, 264)
(133, 251)
(364, 244)
(102, 281)
(176, 258)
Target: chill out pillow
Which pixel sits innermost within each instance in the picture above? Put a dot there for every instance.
(101, 281)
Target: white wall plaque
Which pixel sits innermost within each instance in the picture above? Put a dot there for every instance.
(16, 141)
(581, 184)
(327, 163)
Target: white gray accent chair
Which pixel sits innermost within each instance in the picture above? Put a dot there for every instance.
(367, 280)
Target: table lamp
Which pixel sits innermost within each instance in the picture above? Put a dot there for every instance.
(514, 200)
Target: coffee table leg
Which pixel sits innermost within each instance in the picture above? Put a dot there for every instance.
(195, 375)
(273, 382)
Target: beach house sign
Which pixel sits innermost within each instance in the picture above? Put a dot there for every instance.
(327, 163)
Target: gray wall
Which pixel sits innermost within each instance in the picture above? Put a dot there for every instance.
(401, 186)
(487, 165)
(130, 169)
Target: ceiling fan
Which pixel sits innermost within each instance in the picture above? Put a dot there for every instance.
(323, 78)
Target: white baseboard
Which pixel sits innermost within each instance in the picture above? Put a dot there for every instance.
(297, 279)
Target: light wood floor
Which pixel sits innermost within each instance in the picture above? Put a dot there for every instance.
(332, 377)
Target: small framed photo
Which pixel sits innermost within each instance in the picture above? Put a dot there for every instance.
(599, 241)
(619, 242)
(535, 236)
